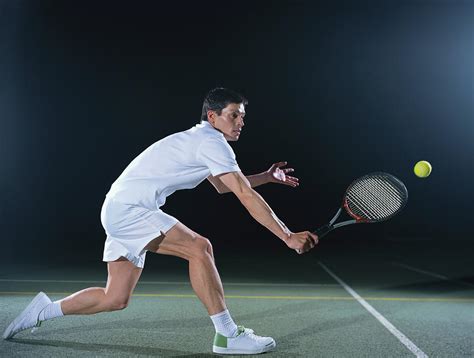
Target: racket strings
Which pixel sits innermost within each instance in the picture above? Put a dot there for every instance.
(367, 203)
(375, 198)
(361, 208)
(366, 209)
(360, 212)
(380, 195)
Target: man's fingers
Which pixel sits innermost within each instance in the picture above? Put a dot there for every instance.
(280, 164)
(308, 241)
(291, 178)
(291, 181)
(288, 170)
(313, 237)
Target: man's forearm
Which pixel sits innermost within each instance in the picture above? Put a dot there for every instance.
(254, 180)
(261, 211)
(258, 179)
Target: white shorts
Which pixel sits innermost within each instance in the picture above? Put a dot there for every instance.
(130, 228)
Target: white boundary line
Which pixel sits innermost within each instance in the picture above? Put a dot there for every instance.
(180, 283)
(432, 274)
(392, 329)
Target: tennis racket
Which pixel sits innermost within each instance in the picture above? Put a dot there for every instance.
(373, 198)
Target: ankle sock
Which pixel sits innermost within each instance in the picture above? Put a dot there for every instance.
(51, 311)
(224, 324)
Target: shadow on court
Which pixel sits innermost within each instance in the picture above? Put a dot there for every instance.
(97, 348)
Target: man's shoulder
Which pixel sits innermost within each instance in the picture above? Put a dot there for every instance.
(193, 136)
(206, 132)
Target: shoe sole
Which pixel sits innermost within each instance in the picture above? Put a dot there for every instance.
(267, 348)
(37, 300)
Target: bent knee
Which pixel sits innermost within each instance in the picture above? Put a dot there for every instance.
(117, 304)
(201, 248)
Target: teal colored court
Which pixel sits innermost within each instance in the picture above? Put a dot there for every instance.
(429, 302)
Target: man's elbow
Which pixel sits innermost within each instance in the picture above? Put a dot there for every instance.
(245, 195)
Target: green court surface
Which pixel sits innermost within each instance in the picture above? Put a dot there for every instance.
(324, 304)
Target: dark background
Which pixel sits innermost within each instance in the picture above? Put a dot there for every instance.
(336, 90)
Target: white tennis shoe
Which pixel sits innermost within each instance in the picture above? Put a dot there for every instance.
(29, 318)
(246, 342)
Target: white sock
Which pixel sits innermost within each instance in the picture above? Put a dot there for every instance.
(224, 324)
(51, 311)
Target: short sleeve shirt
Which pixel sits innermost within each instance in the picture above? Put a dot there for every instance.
(180, 161)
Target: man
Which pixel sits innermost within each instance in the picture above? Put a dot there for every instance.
(135, 224)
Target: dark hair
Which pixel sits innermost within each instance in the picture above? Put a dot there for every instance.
(219, 98)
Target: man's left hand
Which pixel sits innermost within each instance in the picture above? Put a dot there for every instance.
(279, 175)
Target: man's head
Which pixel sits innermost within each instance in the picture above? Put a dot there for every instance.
(224, 109)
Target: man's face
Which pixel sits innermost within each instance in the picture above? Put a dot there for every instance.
(230, 122)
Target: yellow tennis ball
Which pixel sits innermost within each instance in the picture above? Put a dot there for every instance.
(422, 169)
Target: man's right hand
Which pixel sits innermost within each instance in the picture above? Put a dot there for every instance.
(302, 242)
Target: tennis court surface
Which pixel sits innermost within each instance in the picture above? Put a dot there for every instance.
(396, 299)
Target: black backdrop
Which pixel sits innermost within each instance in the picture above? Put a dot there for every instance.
(337, 91)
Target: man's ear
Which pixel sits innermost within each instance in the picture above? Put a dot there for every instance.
(211, 117)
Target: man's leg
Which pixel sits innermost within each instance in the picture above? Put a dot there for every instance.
(123, 277)
(229, 339)
(183, 242)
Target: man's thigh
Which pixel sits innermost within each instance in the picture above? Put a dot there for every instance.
(122, 278)
(179, 241)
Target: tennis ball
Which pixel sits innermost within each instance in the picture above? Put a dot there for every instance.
(422, 169)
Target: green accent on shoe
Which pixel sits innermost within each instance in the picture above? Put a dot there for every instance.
(220, 340)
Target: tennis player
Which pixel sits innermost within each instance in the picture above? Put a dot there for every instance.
(135, 224)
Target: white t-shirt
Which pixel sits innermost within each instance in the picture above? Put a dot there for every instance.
(179, 161)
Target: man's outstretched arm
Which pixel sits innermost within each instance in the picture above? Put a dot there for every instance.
(261, 211)
(276, 174)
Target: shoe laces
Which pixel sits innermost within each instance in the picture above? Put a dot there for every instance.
(248, 332)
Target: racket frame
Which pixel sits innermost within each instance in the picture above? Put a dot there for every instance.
(323, 230)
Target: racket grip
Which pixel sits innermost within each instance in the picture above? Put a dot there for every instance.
(323, 230)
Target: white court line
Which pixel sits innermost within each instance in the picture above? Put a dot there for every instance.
(181, 283)
(392, 329)
(432, 274)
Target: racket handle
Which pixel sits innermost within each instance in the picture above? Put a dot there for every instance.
(323, 230)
